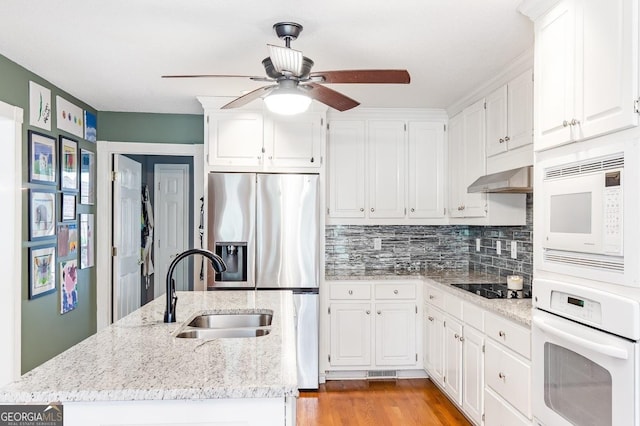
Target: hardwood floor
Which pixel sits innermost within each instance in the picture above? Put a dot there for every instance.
(377, 403)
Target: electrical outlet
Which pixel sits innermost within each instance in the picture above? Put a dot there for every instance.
(514, 249)
(377, 243)
(498, 248)
(477, 244)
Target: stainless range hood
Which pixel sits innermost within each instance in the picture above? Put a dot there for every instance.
(516, 181)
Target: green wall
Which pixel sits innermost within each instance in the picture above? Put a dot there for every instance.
(45, 332)
(153, 128)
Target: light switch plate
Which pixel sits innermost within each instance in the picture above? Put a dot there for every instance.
(514, 249)
(477, 244)
(377, 243)
(498, 248)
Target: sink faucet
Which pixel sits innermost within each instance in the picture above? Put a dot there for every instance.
(216, 262)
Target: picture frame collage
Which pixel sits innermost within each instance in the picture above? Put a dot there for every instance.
(61, 177)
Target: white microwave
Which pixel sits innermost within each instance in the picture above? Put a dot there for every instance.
(587, 218)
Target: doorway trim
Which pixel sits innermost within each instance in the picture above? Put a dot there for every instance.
(106, 150)
(11, 302)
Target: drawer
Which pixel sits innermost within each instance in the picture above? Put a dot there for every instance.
(509, 376)
(435, 297)
(510, 334)
(395, 291)
(453, 306)
(499, 413)
(350, 291)
(473, 315)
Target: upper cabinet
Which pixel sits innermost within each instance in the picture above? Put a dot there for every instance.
(385, 168)
(259, 141)
(586, 69)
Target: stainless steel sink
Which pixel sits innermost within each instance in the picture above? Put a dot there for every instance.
(222, 333)
(217, 321)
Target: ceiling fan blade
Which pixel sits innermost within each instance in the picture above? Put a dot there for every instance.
(213, 76)
(246, 98)
(363, 76)
(329, 97)
(285, 59)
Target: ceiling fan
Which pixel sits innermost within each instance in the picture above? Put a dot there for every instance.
(293, 85)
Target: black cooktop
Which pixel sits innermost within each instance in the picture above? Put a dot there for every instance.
(494, 290)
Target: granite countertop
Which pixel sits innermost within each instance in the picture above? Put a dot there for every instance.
(138, 358)
(518, 310)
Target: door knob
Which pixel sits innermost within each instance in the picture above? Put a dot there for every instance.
(361, 209)
(372, 209)
(502, 376)
(412, 210)
(507, 138)
(574, 122)
(379, 312)
(395, 291)
(500, 140)
(368, 312)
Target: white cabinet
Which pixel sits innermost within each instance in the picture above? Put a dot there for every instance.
(387, 147)
(434, 340)
(453, 359)
(294, 141)
(473, 373)
(426, 170)
(235, 139)
(467, 161)
(509, 122)
(350, 328)
(586, 68)
(374, 325)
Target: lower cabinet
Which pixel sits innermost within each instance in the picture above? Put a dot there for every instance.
(473, 373)
(434, 347)
(374, 325)
(453, 359)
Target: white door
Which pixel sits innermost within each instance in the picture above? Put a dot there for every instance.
(346, 169)
(127, 208)
(396, 334)
(473, 159)
(235, 139)
(473, 374)
(520, 111)
(386, 142)
(453, 359)
(435, 344)
(294, 141)
(171, 217)
(496, 121)
(350, 334)
(426, 169)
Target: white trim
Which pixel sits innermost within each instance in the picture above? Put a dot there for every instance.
(106, 150)
(11, 301)
(534, 9)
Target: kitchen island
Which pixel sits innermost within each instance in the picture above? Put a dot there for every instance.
(137, 372)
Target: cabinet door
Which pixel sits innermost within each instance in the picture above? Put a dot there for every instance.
(434, 350)
(453, 359)
(235, 139)
(395, 327)
(386, 142)
(350, 338)
(519, 111)
(472, 159)
(473, 374)
(456, 196)
(496, 121)
(555, 74)
(346, 169)
(294, 141)
(609, 66)
(426, 169)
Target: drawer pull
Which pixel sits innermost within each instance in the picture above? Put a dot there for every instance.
(430, 318)
(379, 312)
(395, 291)
(368, 312)
(502, 376)
(431, 297)
(502, 334)
(461, 338)
(350, 292)
(456, 336)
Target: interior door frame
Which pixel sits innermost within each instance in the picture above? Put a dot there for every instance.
(11, 302)
(104, 197)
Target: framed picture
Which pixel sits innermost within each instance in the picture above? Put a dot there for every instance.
(67, 239)
(68, 286)
(69, 117)
(42, 213)
(68, 164)
(87, 257)
(68, 207)
(90, 125)
(42, 158)
(87, 177)
(42, 270)
(39, 106)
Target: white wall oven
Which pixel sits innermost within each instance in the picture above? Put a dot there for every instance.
(586, 353)
(588, 220)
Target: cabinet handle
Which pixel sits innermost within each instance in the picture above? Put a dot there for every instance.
(430, 318)
(565, 123)
(312, 160)
(372, 209)
(502, 376)
(259, 157)
(502, 334)
(271, 157)
(462, 207)
(574, 122)
(456, 336)
(507, 138)
(395, 291)
(379, 312)
(361, 209)
(431, 297)
(350, 292)
(368, 312)
(500, 140)
(461, 338)
(412, 210)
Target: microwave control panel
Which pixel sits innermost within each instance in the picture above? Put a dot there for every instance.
(613, 203)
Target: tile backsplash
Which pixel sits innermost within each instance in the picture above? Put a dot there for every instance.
(417, 248)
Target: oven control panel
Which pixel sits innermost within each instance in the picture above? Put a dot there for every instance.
(576, 307)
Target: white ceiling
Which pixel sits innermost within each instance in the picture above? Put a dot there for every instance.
(111, 53)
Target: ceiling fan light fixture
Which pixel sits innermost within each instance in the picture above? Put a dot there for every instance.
(287, 101)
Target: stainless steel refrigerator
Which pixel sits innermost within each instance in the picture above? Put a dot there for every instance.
(266, 227)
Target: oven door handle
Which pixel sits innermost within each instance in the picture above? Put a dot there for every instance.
(607, 350)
